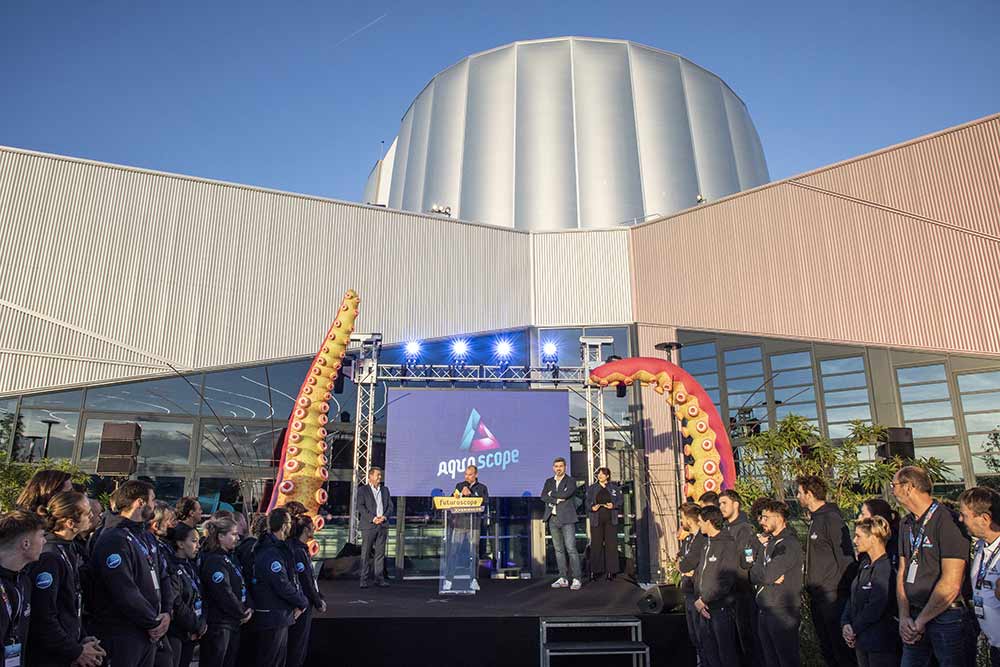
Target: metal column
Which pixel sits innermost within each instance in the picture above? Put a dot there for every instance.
(366, 379)
(591, 349)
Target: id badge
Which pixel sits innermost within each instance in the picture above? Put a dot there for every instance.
(911, 572)
(197, 608)
(748, 555)
(977, 602)
(12, 655)
(243, 594)
(156, 579)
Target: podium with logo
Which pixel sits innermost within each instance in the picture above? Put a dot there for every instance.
(460, 546)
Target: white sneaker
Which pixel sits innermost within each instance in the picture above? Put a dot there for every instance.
(576, 585)
(560, 583)
(474, 585)
(447, 585)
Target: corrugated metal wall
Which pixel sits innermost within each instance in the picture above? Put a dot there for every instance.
(897, 249)
(137, 269)
(582, 277)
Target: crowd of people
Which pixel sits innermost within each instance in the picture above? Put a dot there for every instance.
(912, 592)
(145, 583)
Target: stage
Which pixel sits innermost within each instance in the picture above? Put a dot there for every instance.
(410, 624)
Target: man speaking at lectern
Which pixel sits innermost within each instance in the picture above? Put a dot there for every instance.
(470, 487)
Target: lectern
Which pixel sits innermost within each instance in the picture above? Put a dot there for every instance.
(460, 545)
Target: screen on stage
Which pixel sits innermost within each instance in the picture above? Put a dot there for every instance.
(512, 436)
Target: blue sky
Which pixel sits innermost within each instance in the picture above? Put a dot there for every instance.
(282, 95)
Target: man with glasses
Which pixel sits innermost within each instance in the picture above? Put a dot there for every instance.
(932, 559)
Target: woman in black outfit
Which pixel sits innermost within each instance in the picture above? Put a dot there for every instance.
(55, 636)
(227, 605)
(868, 624)
(187, 622)
(604, 500)
(298, 635)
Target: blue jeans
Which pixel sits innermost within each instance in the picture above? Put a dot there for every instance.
(563, 542)
(943, 638)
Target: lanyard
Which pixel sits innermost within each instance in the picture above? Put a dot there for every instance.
(235, 568)
(195, 586)
(984, 565)
(915, 542)
(15, 618)
(142, 547)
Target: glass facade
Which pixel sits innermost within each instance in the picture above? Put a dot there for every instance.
(845, 395)
(217, 435)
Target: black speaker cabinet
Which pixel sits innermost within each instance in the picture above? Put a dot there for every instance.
(899, 442)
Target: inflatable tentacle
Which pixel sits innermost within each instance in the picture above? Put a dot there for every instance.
(708, 454)
(302, 470)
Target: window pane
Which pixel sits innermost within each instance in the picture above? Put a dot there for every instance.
(852, 381)
(807, 410)
(709, 381)
(986, 421)
(252, 393)
(947, 453)
(795, 394)
(68, 400)
(981, 402)
(715, 396)
(744, 370)
(7, 408)
(927, 410)
(168, 489)
(38, 427)
(933, 429)
(700, 366)
(739, 400)
(741, 355)
(848, 365)
(796, 377)
(849, 397)
(699, 351)
(791, 360)
(162, 442)
(239, 445)
(744, 384)
(979, 381)
(219, 493)
(849, 414)
(166, 396)
(924, 392)
(977, 441)
(839, 430)
(920, 374)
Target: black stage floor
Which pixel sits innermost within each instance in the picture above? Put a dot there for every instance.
(410, 624)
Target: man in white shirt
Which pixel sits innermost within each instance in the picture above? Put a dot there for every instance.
(374, 509)
(981, 513)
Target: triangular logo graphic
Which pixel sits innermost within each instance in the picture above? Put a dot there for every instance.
(477, 437)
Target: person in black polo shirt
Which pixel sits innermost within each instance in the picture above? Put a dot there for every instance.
(932, 557)
(715, 581)
(830, 568)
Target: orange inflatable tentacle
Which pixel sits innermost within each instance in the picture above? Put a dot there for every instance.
(302, 470)
(709, 464)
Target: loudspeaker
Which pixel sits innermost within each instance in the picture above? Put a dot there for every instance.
(119, 448)
(899, 442)
(651, 601)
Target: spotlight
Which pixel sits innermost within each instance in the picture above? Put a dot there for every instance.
(504, 349)
(460, 349)
(412, 350)
(550, 352)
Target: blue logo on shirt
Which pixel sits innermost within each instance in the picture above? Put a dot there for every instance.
(276, 567)
(300, 567)
(43, 580)
(217, 577)
(114, 560)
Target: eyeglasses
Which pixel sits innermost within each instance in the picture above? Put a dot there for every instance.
(893, 485)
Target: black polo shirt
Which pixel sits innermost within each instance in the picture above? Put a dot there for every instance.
(942, 538)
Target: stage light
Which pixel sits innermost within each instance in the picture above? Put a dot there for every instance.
(550, 352)
(504, 349)
(460, 349)
(412, 350)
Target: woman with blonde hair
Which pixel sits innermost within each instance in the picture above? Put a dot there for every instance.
(868, 624)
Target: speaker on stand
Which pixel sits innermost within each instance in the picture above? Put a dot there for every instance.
(119, 449)
(899, 442)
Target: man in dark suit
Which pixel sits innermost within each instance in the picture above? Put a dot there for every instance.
(374, 509)
(560, 513)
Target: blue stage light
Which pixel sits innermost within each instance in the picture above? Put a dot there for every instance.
(550, 352)
(460, 349)
(412, 350)
(504, 349)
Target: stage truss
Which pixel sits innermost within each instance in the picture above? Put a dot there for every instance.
(367, 372)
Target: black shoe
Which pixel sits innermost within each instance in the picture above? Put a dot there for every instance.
(364, 585)
(382, 584)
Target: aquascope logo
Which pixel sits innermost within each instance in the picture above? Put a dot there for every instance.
(476, 438)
